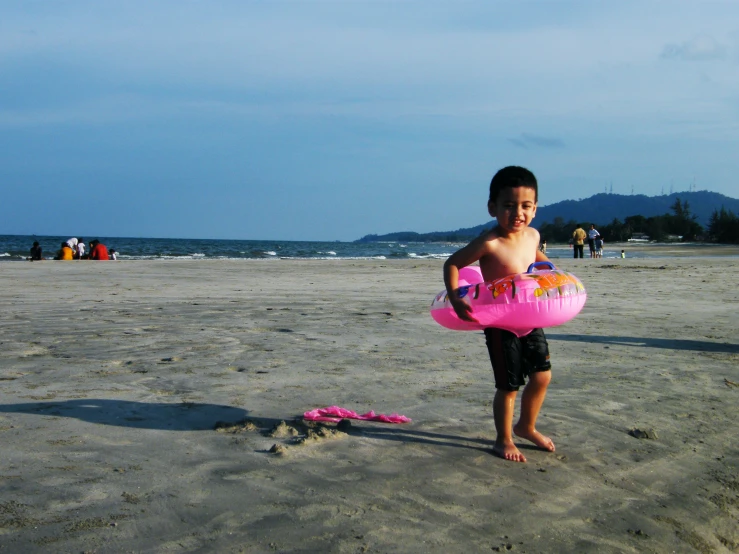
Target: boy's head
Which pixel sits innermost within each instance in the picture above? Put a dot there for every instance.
(511, 177)
(513, 197)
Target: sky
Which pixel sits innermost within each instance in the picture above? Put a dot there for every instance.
(325, 120)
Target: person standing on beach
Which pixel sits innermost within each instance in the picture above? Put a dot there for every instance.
(599, 246)
(592, 235)
(578, 238)
(509, 248)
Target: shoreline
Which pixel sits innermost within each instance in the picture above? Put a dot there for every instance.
(178, 249)
(678, 250)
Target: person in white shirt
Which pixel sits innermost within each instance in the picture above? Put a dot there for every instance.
(592, 233)
(80, 249)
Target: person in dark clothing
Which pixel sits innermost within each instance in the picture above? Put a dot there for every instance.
(36, 252)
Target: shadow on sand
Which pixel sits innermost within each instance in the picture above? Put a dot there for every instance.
(401, 433)
(671, 344)
(206, 417)
(184, 416)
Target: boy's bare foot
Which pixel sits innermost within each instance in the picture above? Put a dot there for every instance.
(536, 437)
(508, 451)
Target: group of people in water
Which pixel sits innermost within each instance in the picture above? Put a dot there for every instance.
(75, 249)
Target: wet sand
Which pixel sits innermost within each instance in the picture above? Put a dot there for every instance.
(141, 408)
(680, 250)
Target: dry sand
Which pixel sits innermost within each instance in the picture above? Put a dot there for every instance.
(115, 377)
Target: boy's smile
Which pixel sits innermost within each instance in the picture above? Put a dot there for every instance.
(514, 208)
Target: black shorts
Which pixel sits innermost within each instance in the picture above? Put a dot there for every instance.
(515, 358)
(591, 244)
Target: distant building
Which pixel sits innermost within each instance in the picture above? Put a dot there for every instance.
(639, 237)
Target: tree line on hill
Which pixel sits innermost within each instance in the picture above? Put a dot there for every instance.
(681, 224)
(661, 218)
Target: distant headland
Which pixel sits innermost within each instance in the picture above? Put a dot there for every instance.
(600, 209)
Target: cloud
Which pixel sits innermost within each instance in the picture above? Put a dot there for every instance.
(698, 49)
(526, 140)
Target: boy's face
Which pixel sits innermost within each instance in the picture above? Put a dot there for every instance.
(514, 209)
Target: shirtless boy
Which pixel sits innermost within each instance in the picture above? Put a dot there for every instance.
(509, 248)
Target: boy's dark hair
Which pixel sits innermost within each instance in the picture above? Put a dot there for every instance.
(511, 177)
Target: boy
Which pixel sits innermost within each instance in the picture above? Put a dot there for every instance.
(509, 248)
(599, 246)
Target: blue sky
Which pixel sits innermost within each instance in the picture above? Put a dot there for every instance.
(331, 120)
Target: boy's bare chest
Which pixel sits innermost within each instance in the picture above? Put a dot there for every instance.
(504, 261)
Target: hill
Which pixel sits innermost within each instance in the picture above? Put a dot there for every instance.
(599, 209)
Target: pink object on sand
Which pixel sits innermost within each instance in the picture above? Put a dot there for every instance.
(336, 414)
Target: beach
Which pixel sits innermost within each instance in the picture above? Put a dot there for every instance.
(155, 406)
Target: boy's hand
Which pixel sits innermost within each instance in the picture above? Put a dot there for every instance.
(461, 308)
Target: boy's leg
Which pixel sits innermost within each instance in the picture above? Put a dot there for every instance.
(531, 402)
(504, 348)
(503, 406)
(536, 353)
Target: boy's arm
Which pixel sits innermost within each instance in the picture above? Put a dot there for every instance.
(541, 257)
(462, 258)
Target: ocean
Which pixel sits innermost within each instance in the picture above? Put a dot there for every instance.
(16, 248)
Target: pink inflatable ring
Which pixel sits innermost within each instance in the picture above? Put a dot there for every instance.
(517, 303)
